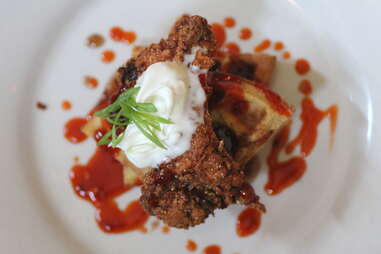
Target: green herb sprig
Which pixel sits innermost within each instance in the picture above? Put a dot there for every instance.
(124, 111)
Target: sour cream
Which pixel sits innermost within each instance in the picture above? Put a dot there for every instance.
(178, 95)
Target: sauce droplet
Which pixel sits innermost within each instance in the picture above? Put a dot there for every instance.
(278, 46)
(302, 66)
(286, 55)
(311, 117)
(212, 249)
(219, 34)
(305, 87)
(66, 105)
(95, 41)
(232, 48)
(165, 229)
(108, 56)
(265, 44)
(245, 33)
(91, 82)
(40, 105)
(229, 22)
(72, 130)
(120, 35)
(248, 222)
(283, 174)
(191, 245)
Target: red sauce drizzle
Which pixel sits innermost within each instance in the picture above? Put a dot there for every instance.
(311, 117)
(232, 48)
(248, 222)
(66, 105)
(305, 87)
(108, 56)
(265, 44)
(72, 130)
(120, 35)
(219, 34)
(191, 245)
(229, 22)
(286, 55)
(245, 33)
(212, 249)
(99, 182)
(278, 46)
(302, 66)
(91, 82)
(286, 173)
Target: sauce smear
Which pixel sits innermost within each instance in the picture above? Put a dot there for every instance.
(229, 22)
(191, 245)
(305, 87)
(120, 35)
(278, 46)
(73, 132)
(91, 82)
(232, 48)
(219, 34)
(286, 55)
(248, 222)
(283, 174)
(66, 105)
(302, 66)
(311, 117)
(212, 249)
(99, 182)
(108, 56)
(265, 44)
(95, 41)
(245, 33)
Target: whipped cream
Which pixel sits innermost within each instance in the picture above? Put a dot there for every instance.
(178, 95)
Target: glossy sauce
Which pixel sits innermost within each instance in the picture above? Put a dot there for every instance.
(95, 41)
(302, 66)
(120, 35)
(108, 56)
(72, 130)
(278, 46)
(219, 34)
(265, 44)
(245, 33)
(248, 222)
(91, 82)
(311, 117)
(283, 174)
(66, 105)
(286, 55)
(191, 245)
(232, 48)
(100, 181)
(212, 249)
(229, 22)
(305, 87)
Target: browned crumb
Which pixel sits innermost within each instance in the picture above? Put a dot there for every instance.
(40, 105)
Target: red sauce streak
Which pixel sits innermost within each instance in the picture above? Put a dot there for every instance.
(245, 33)
(286, 55)
(66, 105)
(191, 246)
(72, 130)
(229, 22)
(165, 229)
(265, 44)
(120, 35)
(95, 41)
(248, 222)
(219, 34)
(99, 182)
(311, 117)
(40, 105)
(286, 173)
(108, 56)
(305, 87)
(212, 249)
(278, 46)
(232, 48)
(91, 82)
(302, 66)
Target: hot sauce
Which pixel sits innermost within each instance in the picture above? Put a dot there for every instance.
(219, 34)
(265, 44)
(302, 66)
(108, 56)
(229, 22)
(248, 222)
(245, 33)
(72, 130)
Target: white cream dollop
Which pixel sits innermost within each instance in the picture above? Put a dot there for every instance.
(178, 95)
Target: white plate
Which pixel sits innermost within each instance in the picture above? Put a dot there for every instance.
(334, 208)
